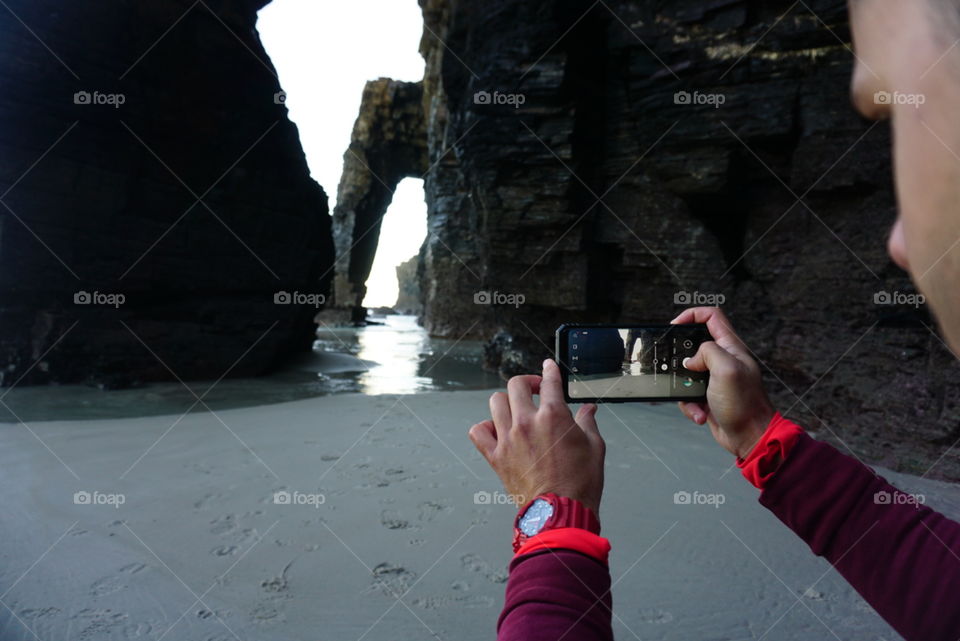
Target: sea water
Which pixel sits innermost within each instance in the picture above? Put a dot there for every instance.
(395, 357)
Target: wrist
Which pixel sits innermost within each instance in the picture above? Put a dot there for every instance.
(754, 432)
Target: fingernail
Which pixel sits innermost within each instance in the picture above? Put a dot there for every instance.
(545, 362)
(686, 360)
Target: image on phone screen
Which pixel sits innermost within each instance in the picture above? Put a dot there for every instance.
(640, 363)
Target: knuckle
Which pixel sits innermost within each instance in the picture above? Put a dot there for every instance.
(552, 410)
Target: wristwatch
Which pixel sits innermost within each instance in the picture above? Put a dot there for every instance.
(548, 512)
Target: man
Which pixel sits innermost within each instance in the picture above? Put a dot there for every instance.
(902, 558)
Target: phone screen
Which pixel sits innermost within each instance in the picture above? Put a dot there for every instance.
(608, 363)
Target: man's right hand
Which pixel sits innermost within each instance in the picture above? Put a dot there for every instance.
(737, 408)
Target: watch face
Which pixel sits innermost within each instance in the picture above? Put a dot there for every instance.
(535, 517)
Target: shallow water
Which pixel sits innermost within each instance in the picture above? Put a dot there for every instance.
(397, 357)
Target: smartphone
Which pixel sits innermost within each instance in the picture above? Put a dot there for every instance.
(630, 363)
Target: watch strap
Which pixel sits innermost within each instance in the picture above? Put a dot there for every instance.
(567, 513)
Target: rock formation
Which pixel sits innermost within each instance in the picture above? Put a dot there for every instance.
(408, 282)
(388, 144)
(155, 196)
(616, 161)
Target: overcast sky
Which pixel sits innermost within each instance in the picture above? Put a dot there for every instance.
(324, 53)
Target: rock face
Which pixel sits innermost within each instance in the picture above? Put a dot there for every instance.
(155, 196)
(388, 144)
(619, 164)
(408, 281)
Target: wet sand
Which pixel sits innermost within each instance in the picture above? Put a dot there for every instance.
(185, 539)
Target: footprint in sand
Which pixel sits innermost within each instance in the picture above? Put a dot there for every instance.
(224, 550)
(473, 563)
(391, 580)
(34, 614)
(391, 520)
(97, 624)
(430, 510)
(106, 585)
(142, 629)
(202, 503)
(223, 525)
(655, 616)
(436, 602)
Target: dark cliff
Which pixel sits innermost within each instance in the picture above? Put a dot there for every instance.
(155, 195)
(616, 161)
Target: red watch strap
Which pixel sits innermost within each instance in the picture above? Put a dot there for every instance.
(567, 513)
(568, 538)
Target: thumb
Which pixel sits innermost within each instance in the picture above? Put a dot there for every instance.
(711, 357)
(586, 418)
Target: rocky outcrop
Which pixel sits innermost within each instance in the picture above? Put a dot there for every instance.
(617, 161)
(156, 199)
(388, 144)
(408, 285)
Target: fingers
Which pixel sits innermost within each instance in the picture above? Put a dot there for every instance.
(696, 412)
(520, 390)
(718, 325)
(586, 419)
(500, 411)
(711, 357)
(551, 387)
(484, 437)
(713, 317)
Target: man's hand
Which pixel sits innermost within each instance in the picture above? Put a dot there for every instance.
(542, 449)
(737, 406)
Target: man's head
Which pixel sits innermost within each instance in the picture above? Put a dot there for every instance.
(908, 69)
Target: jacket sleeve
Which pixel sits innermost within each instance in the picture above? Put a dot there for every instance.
(556, 594)
(900, 555)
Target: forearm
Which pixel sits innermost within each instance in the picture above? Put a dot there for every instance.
(902, 558)
(556, 594)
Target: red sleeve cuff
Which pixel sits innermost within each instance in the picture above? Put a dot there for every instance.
(568, 538)
(771, 451)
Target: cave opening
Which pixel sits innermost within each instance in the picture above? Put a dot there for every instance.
(393, 274)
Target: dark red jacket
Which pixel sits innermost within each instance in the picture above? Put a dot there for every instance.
(902, 558)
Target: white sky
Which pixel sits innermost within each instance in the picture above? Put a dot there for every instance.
(324, 53)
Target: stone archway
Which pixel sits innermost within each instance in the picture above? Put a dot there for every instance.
(389, 143)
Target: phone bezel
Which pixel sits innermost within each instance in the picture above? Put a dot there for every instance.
(562, 353)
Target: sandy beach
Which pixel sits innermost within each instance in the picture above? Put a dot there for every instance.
(181, 534)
